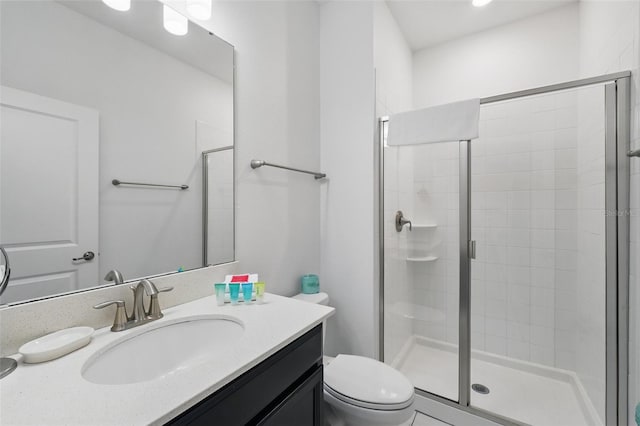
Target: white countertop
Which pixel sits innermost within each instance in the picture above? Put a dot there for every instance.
(55, 393)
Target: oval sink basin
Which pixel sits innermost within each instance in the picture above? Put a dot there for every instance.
(162, 351)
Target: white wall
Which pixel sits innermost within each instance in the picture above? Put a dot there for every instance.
(610, 42)
(277, 120)
(347, 156)
(393, 62)
(528, 53)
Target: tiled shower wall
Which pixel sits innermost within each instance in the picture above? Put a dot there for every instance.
(523, 218)
(433, 243)
(524, 177)
(398, 288)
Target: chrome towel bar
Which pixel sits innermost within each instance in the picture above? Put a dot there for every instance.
(259, 163)
(634, 153)
(117, 182)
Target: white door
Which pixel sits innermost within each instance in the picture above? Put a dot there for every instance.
(48, 194)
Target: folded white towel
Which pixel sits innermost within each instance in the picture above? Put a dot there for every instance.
(457, 121)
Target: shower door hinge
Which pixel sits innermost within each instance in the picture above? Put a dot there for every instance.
(472, 249)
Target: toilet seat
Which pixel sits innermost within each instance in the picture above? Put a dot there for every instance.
(367, 383)
(364, 404)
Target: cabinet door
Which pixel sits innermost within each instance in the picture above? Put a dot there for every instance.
(302, 407)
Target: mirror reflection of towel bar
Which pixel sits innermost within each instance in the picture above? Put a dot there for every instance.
(117, 182)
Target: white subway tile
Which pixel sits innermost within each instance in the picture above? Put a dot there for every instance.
(566, 138)
(543, 199)
(543, 160)
(566, 199)
(542, 336)
(518, 350)
(496, 327)
(542, 258)
(519, 218)
(543, 277)
(496, 345)
(542, 297)
(518, 200)
(518, 331)
(542, 316)
(495, 308)
(543, 179)
(543, 238)
(543, 218)
(543, 141)
(518, 237)
(519, 312)
(543, 355)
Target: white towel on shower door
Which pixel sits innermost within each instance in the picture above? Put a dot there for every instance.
(456, 121)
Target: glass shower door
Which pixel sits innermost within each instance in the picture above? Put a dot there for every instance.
(421, 265)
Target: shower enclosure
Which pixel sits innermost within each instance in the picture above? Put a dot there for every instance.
(506, 295)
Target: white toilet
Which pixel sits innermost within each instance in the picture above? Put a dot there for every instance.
(361, 391)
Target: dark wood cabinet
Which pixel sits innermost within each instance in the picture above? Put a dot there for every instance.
(285, 389)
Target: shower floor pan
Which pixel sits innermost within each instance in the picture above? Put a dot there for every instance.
(523, 391)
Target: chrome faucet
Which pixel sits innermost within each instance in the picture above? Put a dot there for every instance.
(115, 276)
(138, 316)
(145, 286)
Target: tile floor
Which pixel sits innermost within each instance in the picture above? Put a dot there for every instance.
(516, 394)
(423, 420)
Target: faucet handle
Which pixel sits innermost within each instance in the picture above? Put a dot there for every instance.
(120, 320)
(154, 306)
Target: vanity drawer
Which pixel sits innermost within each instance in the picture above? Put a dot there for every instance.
(263, 392)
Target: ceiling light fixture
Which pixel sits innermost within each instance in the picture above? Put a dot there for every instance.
(120, 5)
(174, 22)
(199, 9)
(480, 3)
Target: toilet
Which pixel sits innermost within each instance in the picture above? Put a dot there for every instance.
(361, 391)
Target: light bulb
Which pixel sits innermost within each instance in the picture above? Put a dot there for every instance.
(480, 3)
(121, 5)
(174, 22)
(199, 9)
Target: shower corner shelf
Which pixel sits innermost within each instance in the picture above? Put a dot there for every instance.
(422, 259)
(425, 225)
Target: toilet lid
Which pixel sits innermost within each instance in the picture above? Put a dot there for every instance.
(357, 378)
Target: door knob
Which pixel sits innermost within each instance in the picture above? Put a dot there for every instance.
(86, 257)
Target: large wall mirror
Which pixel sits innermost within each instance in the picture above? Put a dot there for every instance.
(91, 95)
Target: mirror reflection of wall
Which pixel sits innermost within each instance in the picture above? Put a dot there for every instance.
(218, 197)
(89, 95)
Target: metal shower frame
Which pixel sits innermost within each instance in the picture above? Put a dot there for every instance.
(617, 140)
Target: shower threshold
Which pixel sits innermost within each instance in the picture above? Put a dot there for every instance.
(523, 391)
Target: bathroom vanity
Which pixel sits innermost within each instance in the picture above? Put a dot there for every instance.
(285, 389)
(266, 369)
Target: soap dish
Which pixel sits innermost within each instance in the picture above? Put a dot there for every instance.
(56, 344)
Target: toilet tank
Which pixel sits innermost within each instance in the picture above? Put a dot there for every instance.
(319, 299)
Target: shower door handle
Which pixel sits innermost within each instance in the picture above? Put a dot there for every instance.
(472, 249)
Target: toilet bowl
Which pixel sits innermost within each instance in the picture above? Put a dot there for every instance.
(361, 391)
